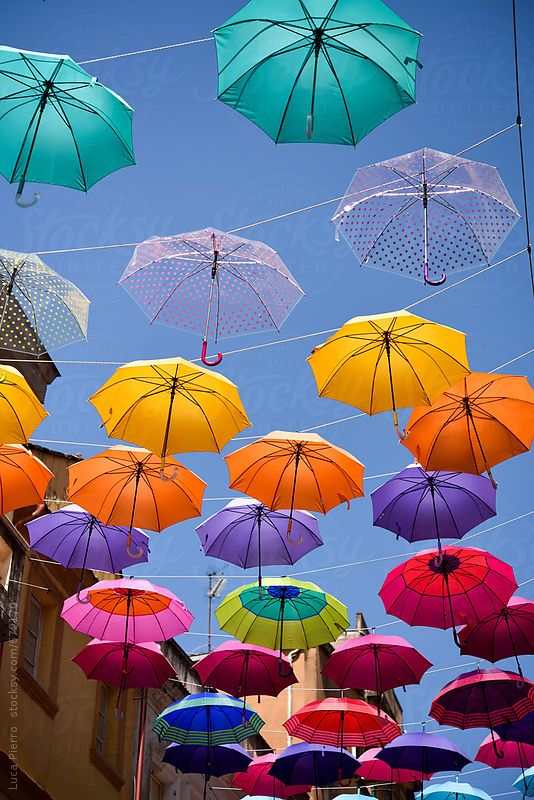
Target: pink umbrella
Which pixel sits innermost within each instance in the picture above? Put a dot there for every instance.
(256, 781)
(512, 754)
(127, 610)
(375, 662)
(373, 769)
(145, 663)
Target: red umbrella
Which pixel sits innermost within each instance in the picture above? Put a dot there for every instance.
(256, 781)
(504, 633)
(463, 584)
(373, 769)
(517, 755)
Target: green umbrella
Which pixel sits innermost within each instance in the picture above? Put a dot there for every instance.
(58, 124)
(317, 69)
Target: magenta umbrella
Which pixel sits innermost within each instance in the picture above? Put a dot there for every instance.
(512, 754)
(146, 665)
(375, 662)
(505, 633)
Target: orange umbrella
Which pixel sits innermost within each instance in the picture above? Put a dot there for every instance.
(23, 478)
(296, 470)
(127, 486)
(477, 423)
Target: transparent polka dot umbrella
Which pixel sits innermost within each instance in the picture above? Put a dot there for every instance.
(39, 309)
(212, 283)
(425, 215)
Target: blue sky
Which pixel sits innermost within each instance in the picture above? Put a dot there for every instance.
(201, 164)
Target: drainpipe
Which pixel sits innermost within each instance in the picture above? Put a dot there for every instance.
(290, 656)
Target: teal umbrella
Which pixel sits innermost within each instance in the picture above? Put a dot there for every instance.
(58, 124)
(452, 790)
(316, 69)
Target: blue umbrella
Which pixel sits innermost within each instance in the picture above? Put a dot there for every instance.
(525, 783)
(452, 790)
(314, 764)
(222, 759)
(207, 719)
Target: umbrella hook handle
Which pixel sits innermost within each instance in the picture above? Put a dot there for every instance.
(168, 478)
(79, 598)
(295, 542)
(25, 203)
(205, 360)
(343, 781)
(138, 553)
(433, 283)
(281, 672)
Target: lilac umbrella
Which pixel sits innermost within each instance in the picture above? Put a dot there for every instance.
(313, 764)
(76, 538)
(246, 533)
(419, 505)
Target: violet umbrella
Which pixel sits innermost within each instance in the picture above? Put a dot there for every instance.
(217, 760)
(372, 768)
(505, 633)
(418, 505)
(520, 731)
(375, 662)
(313, 764)
(248, 534)
(78, 539)
(258, 781)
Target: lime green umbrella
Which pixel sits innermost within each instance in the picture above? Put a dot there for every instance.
(282, 614)
(58, 124)
(321, 70)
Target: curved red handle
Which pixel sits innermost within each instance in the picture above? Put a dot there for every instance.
(434, 283)
(205, 360)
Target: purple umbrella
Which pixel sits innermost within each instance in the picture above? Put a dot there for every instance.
(76, 538)
(419, 505)
(313, 764)
(221, 759)
(519, 731)
(248, 534)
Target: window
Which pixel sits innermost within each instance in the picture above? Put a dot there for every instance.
(102, 718)
(32, 642)
(156, 789)
(6, 558)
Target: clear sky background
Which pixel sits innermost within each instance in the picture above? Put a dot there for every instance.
(201, 164)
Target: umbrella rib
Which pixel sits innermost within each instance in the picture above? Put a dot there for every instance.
(330, 63)
(292, 90)
(445, 203)
(238, 274)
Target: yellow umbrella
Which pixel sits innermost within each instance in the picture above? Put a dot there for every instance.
(20, 410)
(170, 406)
(389, 361)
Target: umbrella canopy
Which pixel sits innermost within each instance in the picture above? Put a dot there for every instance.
(520, 731)
(505, 633)
(125, 665)
(58, 124)
(286, 614)
(373, 769)
(525, 783)
(375, 662)
(127, 610)
(418, 505)
(213, 283)
(221, 759)
(39, 309)
(259, 781)
(248, 534)
(479, 422)
(453, 790)
(342, 722)
(170, 406)
(389, 361)
(243, 669)
(314, 71)
(207, 719)
(505, 755)
(76, 538)
(313, 764)
(296, 470)
(444, 590)
(425, 214)
(20, 410)
(426, 753)
(483, 698)
(124, 486)
(23, 478)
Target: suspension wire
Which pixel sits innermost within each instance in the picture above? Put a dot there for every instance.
(519, 125)
(148, 50)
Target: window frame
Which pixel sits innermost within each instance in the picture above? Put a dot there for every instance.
(33, 672)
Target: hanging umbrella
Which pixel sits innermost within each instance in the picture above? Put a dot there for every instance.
(505, 755)
(39, 309)
(287, 614)
(258, 780)
(58, 124)
(245, 670)
(127, 486)
(342, 722)
(212, 283)
(248, 534)
(373, 769)
(520, 731)
(525, 782)
(20, 410)
(479, 422)
(23, 478)
(145, 664)
(442, 590)
(221, 759)
(505, 633)
(207, 719)
(127, 610)
(425, 214)
(170, 406)
(296, 470)
(453, 790)
(313, 764)
(77, 539)
(418, 505)
(375, 662)
(316, 71)
(389, 361)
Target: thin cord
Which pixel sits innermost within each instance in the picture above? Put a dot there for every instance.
(149, 50)
(519, 124)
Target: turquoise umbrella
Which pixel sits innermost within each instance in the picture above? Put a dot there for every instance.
(58, 124)
(525, 783)
(453, 790)
(317, 69)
